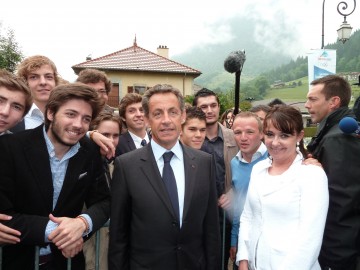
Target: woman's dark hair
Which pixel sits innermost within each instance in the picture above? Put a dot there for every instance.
(224, 117)
(288, 120)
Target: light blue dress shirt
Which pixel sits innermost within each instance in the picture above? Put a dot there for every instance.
(58, 171)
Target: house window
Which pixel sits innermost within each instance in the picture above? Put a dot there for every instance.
(137, 88)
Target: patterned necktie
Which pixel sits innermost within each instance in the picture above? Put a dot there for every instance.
(143, 142)
(170, 182)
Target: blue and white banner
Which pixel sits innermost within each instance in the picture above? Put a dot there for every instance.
(321, 63)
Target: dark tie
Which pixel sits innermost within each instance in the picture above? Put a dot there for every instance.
(170, 182)
(143, 142)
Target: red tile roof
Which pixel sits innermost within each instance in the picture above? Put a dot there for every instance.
(136, 58)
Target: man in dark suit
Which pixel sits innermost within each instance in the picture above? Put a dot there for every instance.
(132, 116)
(154, 224)
(46, 176)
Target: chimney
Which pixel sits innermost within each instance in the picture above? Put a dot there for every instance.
(88, 58)
(163, 51)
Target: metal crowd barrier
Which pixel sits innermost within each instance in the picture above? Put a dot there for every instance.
(97, 252)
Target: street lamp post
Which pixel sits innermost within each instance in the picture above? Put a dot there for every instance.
(345, 29)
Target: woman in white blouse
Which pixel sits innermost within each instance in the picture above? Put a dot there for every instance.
(283, 221)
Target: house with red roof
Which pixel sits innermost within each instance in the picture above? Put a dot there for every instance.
(135, 69)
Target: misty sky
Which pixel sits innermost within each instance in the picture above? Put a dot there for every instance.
(68, 31)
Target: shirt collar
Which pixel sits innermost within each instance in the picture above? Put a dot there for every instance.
(6, 132)
(139, 139)
(259, 153)
(51, 149)
(34, 110)
(219, 135)
(158, 150)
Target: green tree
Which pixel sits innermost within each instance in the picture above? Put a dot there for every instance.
(262, 84)
(226, 100)
(10, 52)
(189, 99)
(245, 105)
(358, 67)
(250, 91)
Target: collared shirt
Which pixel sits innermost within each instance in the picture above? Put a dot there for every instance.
(137, 140)
(259, 153)
(6, 132)
(58, 171)
(34, 117)
(215, 147)
(177, 164)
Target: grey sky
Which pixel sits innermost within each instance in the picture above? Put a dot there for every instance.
(68, 31)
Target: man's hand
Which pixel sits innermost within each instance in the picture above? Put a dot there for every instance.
(233, 253)
(69, 231)
(107, 147)
(73, 249)
(225, 201)
(310, 160)
(8, 235)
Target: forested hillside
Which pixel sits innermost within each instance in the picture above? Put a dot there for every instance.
(347, 60)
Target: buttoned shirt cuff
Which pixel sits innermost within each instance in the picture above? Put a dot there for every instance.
(49, 229)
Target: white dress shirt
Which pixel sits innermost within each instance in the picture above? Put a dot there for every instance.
(34, 117)
(137, 140)
(177, 164)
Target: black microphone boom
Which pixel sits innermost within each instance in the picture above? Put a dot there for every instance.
(234, 63)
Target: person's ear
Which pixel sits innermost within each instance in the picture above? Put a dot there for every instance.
(183, 116)
(335, 102)
(50, 115)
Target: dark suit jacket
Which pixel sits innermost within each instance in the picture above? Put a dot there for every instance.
(144, 232)
(18, 127)
(126, 144)
(26, 193)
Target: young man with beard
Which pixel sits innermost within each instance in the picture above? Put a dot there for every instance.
(132, 116)
(48, 174)
(219, 142)
(40, 74)
(248, 131)
(327, 102)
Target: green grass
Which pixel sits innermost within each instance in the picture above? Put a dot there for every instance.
(290, 93)
(299, 93)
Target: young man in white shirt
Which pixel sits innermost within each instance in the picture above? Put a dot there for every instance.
(41, 76)
(132, 116)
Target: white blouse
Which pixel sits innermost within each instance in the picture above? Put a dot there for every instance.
(284, 218)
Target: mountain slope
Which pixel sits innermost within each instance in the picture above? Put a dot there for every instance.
(210, 59)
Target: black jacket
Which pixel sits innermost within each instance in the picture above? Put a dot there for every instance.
(26, 193)
(339, 154)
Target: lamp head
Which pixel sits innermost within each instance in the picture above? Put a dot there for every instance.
(344, 31)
